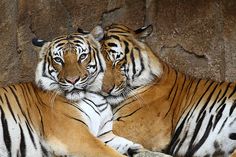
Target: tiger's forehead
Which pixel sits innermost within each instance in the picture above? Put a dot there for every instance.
(115, 49)
(76, 43)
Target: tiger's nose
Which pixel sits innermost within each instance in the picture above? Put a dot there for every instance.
(72, 80)
(106, 90)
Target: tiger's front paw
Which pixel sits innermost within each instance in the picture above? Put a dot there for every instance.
(134, 149)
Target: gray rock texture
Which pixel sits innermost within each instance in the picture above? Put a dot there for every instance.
(197, 37)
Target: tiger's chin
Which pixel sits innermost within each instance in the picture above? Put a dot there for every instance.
(115, 100)
(75, 96)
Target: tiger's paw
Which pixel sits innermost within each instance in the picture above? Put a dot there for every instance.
(134, 149)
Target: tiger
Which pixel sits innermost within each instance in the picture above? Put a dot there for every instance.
(55, 116)
(175, 113)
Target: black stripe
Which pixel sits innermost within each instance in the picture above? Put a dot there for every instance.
(59, 39)
(126, 47)
(232, 122)
(104, 133)
(231, 94)
(189, 87)
(190, 102)
(88, 102)
(31, 135)
(14, 87)
(173, 148)
(22, 143)
(44, 151)
(99, 59)
(114, 36)
(196, 105)
(172, 101)
(44, 66)
(6, 134)
(207, 101)
(180, 144)
(101, 110)
(78, 37)
(141, 62)
(60, 44)
(109, 121)
(223, 95)
(133, 63)
(9, 107)
(222, 126)
(223, 102)
(203, 139)
(176, 77)
(99, 105)
(41, 117)
(119, 118)
(174, 140)
(77, 107)
(195, 133)
(232, 136)
(1, 99)
(219, 115)
(232, 108)
(18, 102)
(213, 104)
(78, 41)
(112, 44)
(78, 120)
(109, 140)
(118, 31)
(119, 107)
(5, 89)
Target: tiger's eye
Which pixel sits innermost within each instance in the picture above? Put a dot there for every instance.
(58, 60)
(83, 56)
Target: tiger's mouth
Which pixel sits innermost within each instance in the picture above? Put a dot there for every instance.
(75, 94)
(74, 90)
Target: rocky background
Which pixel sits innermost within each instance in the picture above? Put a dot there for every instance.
(197, 37)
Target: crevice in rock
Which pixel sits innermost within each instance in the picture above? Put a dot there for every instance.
(108, 12)
(69, 18)
(181, 48)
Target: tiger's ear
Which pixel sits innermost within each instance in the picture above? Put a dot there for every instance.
(82, 31)
(38, 42)
(144, 32)
(97, 32)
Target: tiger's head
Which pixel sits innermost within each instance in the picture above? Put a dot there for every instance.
(70, 64)
(130, 63)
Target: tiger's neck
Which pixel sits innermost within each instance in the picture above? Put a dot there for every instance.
(167, 93)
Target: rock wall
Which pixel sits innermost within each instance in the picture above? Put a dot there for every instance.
(197, 37)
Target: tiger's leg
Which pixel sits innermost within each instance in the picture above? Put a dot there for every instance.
(70, 136)
(123, 145)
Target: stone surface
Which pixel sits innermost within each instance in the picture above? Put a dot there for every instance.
(151, 154)
(197, 37)
(190, 27)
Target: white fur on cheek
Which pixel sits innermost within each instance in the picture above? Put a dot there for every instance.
(96, 85)
(44, 82)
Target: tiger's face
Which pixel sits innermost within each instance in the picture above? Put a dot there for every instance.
(70, 64)
(128, 62)
(115, 76)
